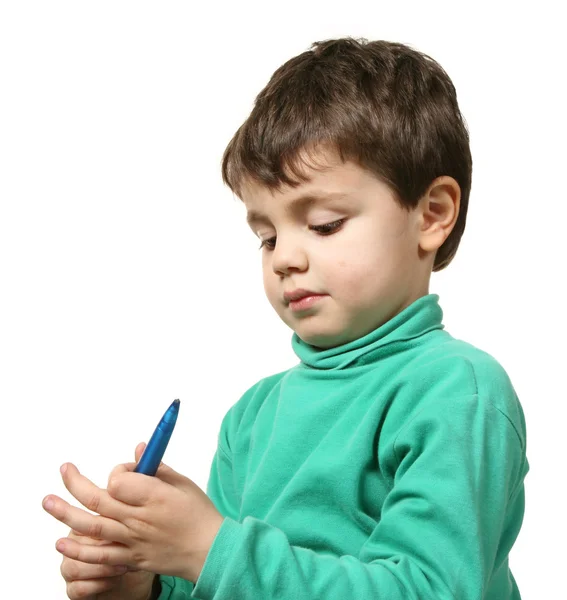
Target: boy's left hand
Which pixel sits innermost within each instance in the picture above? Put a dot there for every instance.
(164, 524)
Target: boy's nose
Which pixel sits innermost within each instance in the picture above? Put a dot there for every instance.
(287, 256)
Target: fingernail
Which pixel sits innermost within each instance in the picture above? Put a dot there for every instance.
(63, 469)
(60, 546)
(48, 504)
(121, 568)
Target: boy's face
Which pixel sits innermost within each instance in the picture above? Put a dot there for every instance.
(367, 270)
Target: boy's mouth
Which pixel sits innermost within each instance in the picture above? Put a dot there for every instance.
(305, 302)
(298, 294)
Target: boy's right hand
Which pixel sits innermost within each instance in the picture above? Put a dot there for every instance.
(104, 582)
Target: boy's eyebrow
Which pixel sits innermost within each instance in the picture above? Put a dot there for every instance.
(297, 204)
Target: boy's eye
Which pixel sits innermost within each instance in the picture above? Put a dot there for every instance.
(325, 229)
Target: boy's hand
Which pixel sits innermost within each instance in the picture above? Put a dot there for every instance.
(104, 582)
(164, 524)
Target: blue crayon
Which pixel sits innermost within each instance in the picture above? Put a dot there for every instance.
(150, 459)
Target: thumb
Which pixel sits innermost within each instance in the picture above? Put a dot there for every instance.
(165, 473)
(123, 468)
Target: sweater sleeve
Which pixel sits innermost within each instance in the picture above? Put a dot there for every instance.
(443, 529)
(221, 491)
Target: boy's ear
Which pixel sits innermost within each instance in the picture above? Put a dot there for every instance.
(439, 211)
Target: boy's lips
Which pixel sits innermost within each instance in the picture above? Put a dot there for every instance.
(298, 294)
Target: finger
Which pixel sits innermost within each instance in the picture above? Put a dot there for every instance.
(90, 590)
(123, 468)
(90, 495)
(94, 526)
(109, 554)
(134, 492)
(126, 467)
(134, 489)
(83, 538)
(139, 451)
(135, 496)
(73, 570)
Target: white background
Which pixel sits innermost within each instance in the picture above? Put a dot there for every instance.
(129, 278)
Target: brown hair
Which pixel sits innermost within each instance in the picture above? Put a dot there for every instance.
(387, 107)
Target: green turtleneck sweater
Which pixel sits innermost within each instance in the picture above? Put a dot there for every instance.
(390, 468)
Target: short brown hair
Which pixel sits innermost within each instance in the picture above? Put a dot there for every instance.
(387, 107)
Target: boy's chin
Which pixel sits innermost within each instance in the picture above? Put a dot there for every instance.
(323, 340)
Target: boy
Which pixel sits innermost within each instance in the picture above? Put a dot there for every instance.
(390, 462)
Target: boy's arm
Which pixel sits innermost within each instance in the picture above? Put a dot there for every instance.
(221, 492)
(441, 535)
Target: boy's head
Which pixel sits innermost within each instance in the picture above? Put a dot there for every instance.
(377, 125)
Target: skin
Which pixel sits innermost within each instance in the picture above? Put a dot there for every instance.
(101, 581)
(375, 264)
(164, 524)
(378, 262)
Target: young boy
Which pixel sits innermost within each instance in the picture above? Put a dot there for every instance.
(389, 463)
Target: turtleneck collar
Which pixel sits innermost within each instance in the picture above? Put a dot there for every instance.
(423, 315)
